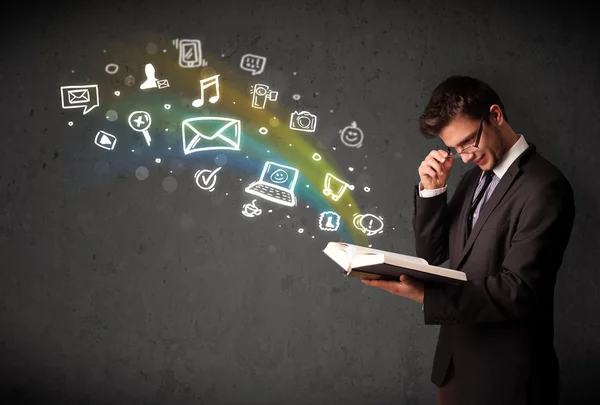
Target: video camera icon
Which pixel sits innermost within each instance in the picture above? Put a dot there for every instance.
(260, 95)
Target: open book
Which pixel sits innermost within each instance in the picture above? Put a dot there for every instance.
(367, 263)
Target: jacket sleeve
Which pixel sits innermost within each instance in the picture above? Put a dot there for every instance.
(431, 221)
(526, 282)
(430, 225)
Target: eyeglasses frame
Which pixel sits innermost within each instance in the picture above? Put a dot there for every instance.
(475, 145)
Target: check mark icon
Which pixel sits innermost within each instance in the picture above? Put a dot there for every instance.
(207, 179)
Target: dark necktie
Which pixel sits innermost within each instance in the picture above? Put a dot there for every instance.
(487, 179)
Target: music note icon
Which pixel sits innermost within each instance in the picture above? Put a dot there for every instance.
(204, 84)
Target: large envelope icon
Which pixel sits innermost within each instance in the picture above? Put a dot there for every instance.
(79, 96)
(210, 133)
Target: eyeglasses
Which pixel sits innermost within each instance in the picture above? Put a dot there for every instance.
(470, 148)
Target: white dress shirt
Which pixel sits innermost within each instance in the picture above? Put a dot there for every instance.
(513, 153)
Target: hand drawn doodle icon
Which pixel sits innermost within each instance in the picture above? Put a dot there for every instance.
(206, 179)
(204, 84)
(190, 52)
(210, 133)
(151, 81)
(276, 184)
(82, 96)
(333, 183)
(368, 224)
(260, 95)
(105, 140)
(250, 210)
(329, 221)
(352, 136)
(140, 121)
(253, 63)
(303, 121)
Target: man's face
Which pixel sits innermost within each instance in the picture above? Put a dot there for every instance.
(461, 132)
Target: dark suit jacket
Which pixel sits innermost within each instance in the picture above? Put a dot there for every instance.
(497, 328)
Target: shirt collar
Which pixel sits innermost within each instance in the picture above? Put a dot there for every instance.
(513, 153)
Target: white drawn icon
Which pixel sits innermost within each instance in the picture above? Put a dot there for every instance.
(329, 221)
(190, 52)
(303, 121)
(250, 210)
(276, 184)
(151, 82)
(333, 183)
(260, 95)
(352, 136)
(82, 96)
(105, 140)
(368, 224)
(204, 84)
(140, 121)
(253, 63)
(206, 179)
(111, 68)
(210, 133)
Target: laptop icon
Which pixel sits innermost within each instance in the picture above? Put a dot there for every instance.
(276, 184)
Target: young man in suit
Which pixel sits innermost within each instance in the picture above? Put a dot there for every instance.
(506, 226)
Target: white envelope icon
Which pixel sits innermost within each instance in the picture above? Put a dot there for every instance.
(210, 133)
(77, 96)
(162, 83)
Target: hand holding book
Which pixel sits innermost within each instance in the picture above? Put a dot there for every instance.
(374, 264)
(408, 287)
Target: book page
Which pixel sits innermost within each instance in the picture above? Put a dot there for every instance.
(397, 256)
(339, 254)
(367, 259)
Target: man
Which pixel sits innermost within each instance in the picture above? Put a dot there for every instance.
(506, 226)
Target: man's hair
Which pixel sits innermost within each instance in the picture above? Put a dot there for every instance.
(455, 96)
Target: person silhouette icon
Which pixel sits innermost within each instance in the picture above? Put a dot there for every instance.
(150, 77)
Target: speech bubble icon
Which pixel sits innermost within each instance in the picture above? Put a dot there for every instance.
(81, 96)
(368, 224)
(253, 63)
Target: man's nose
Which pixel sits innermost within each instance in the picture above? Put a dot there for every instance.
(467, 157)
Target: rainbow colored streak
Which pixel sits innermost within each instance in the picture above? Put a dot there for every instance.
(184, 85)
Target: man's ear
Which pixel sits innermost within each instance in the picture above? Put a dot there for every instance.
(496, 115)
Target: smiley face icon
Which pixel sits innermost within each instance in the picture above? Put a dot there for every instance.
(279, 176)
(352, 136)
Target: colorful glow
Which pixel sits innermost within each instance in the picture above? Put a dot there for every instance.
(280, 144)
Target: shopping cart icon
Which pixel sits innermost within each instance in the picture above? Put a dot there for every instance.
(333, 183)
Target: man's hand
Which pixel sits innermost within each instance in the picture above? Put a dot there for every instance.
(407, 287)
(435, 169)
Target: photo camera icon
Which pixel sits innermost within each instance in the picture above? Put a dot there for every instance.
(303, 121)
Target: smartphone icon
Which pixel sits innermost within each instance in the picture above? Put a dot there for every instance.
(190, 53)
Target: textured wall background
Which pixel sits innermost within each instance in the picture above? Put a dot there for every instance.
(117, 290)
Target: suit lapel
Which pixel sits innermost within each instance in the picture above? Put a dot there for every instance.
(497, 195)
